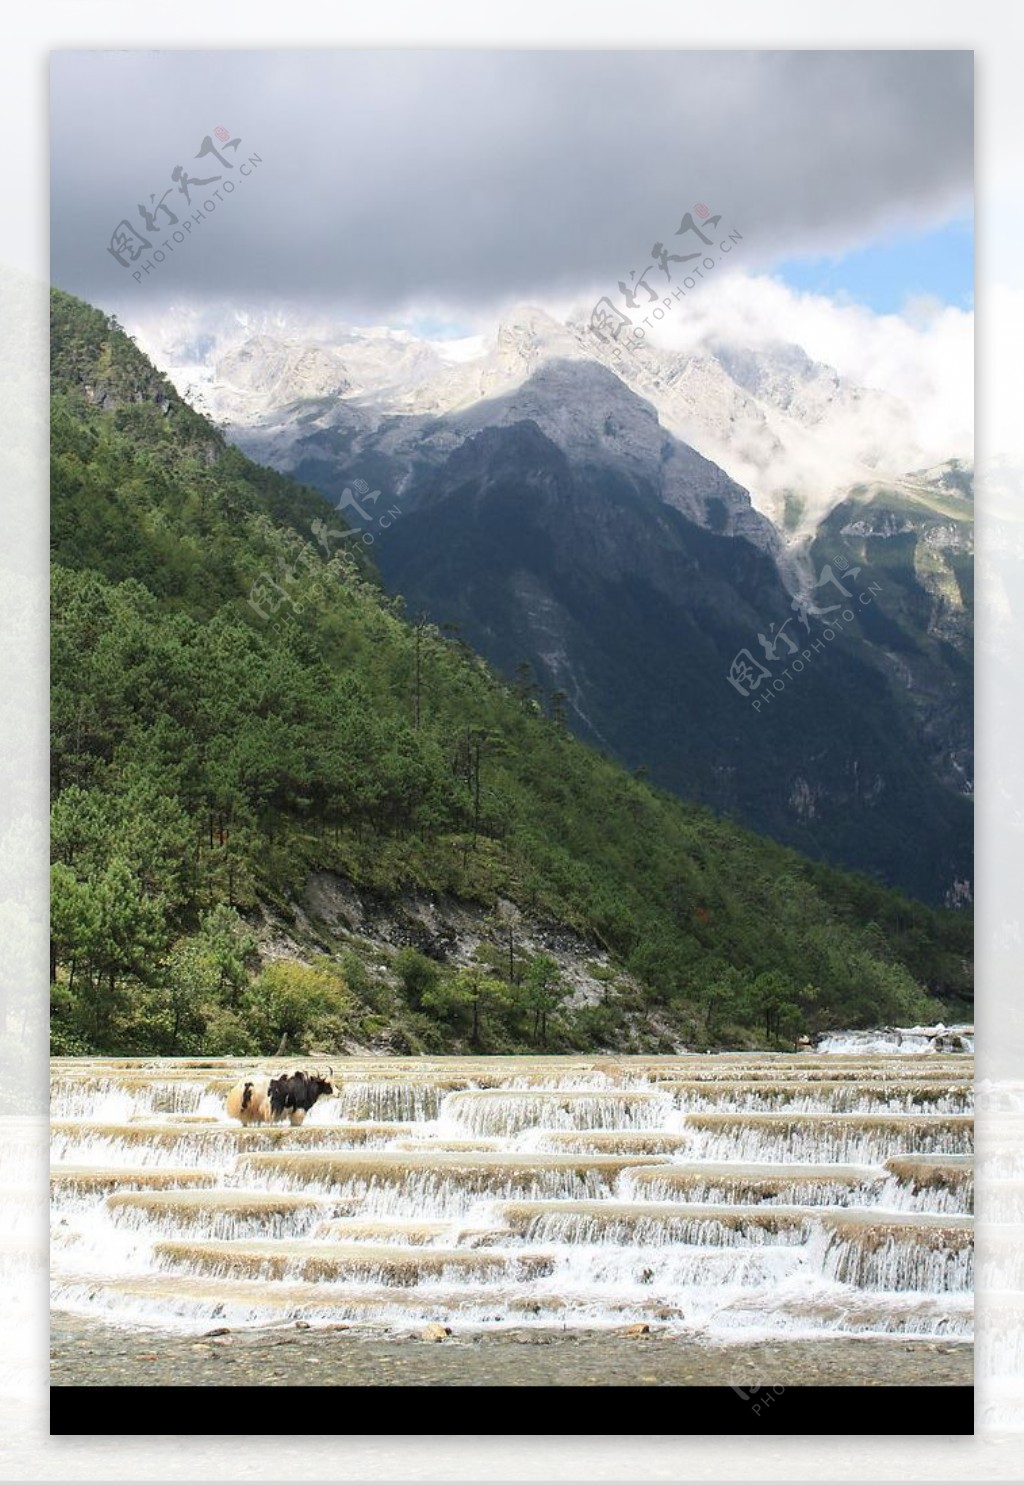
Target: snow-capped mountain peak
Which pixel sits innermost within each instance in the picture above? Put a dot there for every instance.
(789, 429)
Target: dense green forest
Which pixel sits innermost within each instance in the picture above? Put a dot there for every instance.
(237, 704)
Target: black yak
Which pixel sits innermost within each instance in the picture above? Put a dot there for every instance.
(295, 1094)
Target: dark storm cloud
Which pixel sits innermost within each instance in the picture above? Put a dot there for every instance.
(469, 178)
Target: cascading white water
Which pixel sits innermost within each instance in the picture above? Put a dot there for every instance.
(743, 1195)
(906, 1040)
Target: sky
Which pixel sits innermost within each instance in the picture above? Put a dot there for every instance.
(895, 272)
(434, 189)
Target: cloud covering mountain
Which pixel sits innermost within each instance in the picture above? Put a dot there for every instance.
(727, 377)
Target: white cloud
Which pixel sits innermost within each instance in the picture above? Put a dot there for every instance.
(925, 357)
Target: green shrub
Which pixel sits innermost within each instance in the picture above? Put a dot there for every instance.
(417, 975)
(296, 1007)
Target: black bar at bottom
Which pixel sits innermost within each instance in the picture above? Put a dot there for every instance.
(804, 1411)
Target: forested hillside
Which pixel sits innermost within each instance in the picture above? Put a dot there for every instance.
(237, 706)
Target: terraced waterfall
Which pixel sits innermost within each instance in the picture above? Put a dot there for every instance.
(732, 1196)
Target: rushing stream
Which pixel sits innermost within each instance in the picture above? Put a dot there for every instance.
(734, 1196)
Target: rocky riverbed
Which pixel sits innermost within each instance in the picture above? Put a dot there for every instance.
(86, 1353)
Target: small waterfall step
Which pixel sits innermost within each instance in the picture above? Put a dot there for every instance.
(93, 1180)
(737, 1181)
(849, 1138)
(388, 1264)
(228, 1214)
(822, 1095)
